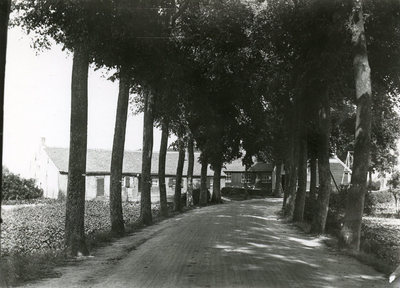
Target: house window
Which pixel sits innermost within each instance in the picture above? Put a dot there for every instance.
(100, 187)
(228, 178)
(211, 182)
(154, 182)
(266, 178)
(172, 182)
(246, 178)
(127, 182)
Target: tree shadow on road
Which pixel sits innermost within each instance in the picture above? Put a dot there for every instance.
(263, 245)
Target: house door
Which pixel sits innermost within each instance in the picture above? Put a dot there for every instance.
(100, 187)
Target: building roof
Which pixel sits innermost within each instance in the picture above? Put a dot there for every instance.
(237, 166)
(99, 161)
(234, 166)
(261, 167)
(337, 169)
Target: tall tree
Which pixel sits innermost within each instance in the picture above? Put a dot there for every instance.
(117, 157)
(153, 82)
(298, 212)
(189, 191)
(5, 6)
(217, 184)
(313, 175)
(75, 206)
(292, 161)
(319, 219)
(179, 172)
(203, 183)
(161, 167)
(76, 26)
(351, 231)
(148, 121)
(278, 178)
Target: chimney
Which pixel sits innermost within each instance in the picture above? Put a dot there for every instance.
(43, 141)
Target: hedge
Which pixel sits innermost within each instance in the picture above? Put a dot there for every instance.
(40, 227)
(230, 191)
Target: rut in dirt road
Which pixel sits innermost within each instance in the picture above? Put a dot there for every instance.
(240, 244)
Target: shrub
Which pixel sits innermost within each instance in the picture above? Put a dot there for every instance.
(38, 228)
(394, 181)
(231, 191)
(381, 197)
(374, 185)
(18, 188)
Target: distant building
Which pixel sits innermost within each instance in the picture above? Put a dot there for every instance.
(259, 176)
(50, 169)
(263, 175)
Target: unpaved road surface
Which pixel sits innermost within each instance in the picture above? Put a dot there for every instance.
(239, 244)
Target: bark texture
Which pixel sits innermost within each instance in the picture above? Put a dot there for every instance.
(217, 184)
(324, 172)
(117, 157)
(313, 175)
(75, 206)
(293, 171)
(148, 119)
(5, 6)
(179, 172)
(288, 166)
(351, 230)
(298, 212)
(161, 168)
(278, 179)
(203, 185)
(189, 193)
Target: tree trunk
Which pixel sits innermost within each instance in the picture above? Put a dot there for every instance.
(161, 168)
(246, 188)
(298, 212)
(117, 157)
(203, 184)
(189, 193)
(288, 166)
(351, 230)
(324, 172)
(292, 186)
(289, 121)
(148, 119)
(5, 7)
(313, 175)
(179, 172)
(217, 184)
(278, 179)
(75, 206)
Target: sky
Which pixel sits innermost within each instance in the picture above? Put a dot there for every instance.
(37, 104)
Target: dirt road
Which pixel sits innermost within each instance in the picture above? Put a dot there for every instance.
(240, 244)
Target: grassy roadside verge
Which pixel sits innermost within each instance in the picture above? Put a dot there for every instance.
(381, 253)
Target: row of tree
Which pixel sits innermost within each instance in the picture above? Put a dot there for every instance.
(288, 82)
